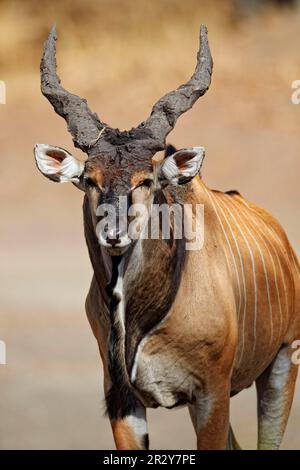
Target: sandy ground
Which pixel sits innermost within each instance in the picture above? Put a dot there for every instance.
(51, 388)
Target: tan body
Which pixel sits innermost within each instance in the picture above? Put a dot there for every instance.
(177, 327)
(243, 296)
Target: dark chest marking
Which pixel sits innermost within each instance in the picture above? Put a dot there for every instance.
(150, 296)
(120, 399)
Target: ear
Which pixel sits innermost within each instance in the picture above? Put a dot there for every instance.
(182, 166)
(57, 164)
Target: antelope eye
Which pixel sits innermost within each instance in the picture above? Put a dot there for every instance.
(147, 183)
(90, 182)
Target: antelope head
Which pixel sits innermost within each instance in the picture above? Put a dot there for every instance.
(119, 163)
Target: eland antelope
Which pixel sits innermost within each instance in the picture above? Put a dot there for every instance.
(176, 326)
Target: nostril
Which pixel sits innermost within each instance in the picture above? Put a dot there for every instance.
(113, 241)
(113, 238)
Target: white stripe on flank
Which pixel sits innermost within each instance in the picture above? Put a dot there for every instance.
(254, 274)
(253, 221)
(281, 247)
(279, 242)
(279, 262)
(243, 277)
(230, 249)
(264, 268)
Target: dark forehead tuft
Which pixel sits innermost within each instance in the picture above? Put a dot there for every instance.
(117, 163)
(118, 169)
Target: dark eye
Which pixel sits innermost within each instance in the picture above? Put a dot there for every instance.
(147, 183)
(89, 182)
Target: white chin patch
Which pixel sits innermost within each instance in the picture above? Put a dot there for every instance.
(57, 164)
(118, 249)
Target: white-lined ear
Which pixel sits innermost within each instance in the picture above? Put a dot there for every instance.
(182, 166)
(57, 164)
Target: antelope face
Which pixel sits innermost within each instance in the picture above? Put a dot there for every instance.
(119, 167)
(120, 192)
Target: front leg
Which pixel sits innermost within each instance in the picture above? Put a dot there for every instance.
(126, 413)
(130, 432)
(210, 417)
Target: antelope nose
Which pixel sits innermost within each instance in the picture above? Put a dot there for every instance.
(113, 237)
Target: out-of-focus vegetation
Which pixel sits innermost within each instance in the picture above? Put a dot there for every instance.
(99, 26)
(102, 27)
(134, 51)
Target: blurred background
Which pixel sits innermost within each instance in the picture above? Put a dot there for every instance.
(122, 55)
